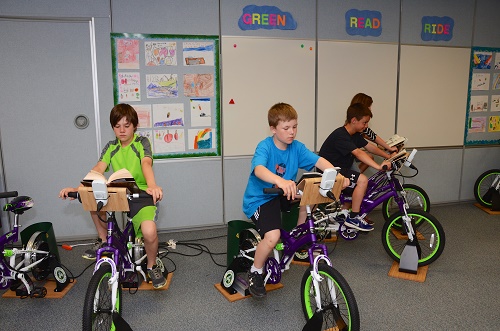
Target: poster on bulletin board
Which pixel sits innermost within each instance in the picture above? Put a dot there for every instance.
(172, 81)
(482, 125)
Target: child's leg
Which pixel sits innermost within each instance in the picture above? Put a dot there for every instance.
(150, 235)
(265, 247)
(101, 227)
(359, 192)
(302, 215)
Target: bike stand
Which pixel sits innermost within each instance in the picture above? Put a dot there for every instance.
(49, 285)
(419, 276)
(408, 261)
(241, 290)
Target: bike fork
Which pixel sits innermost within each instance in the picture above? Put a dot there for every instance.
(317, 278)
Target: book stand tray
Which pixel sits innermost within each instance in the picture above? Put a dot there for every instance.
(310, 190)
(117, 199)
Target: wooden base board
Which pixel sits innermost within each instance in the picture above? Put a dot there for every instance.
(487, 209)
(237, 296)
(149, 286)
(49, 285)
(419, 277)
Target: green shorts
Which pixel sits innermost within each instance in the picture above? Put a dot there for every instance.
(141, 209)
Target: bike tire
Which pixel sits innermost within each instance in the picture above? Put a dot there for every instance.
(344, 316)
(429, 232)
(99, 296)
(415, 195)
(484, 182)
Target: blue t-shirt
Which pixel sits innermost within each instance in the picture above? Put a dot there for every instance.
(284, 163)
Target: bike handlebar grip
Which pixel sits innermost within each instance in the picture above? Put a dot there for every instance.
(74, 195)
(273, 190)
(10, 194)
(384, 167)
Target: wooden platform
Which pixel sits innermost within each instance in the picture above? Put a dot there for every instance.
(50, 285)
(419, 277)
(237, 296)
(487, 209)
(146, 286)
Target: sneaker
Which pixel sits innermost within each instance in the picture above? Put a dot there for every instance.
(369, 221)
(357, 223)
(156, 277)
(256, 284)
(91, 252)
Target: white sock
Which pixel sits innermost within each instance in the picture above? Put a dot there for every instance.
(254, 269)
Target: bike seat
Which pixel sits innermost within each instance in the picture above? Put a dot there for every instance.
(19, 205)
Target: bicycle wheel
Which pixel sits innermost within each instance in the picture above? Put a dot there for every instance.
(484, 186)
(416, 197)
(97, 306)
(339, 307)
(428, 230)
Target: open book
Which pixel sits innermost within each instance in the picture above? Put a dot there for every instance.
(120, 178)
(396, 140)
(401, 154)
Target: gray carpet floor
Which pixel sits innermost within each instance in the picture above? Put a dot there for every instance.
(461, 291)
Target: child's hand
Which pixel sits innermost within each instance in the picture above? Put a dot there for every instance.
(393, 149)
(346, 182)
(289, 188)
(387, 164)
(64, 192)
(156, 193)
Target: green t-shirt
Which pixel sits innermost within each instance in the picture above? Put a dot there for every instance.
(128, 157)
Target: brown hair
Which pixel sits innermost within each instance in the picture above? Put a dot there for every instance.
(362, 98)
(123, 110)
(281, 112)
(358, 111)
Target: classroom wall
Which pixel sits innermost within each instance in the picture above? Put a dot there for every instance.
(419, 90)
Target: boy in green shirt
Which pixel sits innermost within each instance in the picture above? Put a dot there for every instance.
(133, 153)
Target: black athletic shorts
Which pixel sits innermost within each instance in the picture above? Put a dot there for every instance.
(268, 216)
(353, 177)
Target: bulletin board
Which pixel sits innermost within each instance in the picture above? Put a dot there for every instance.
(483, 102)
(172, 81)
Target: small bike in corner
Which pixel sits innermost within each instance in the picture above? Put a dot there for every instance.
(35, 258)
(487, 188)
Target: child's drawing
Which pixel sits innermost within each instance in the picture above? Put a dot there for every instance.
(482, 60)
(477, 124)
(201, 113)
(168, 115)
(199, 85)
(201, 139)
(160, 53)
(497, 60)
(168, 141)
(494, 124)
(480, 82)
(495, 102)
(127, 51)
(161, 86)
(129, 84)
(496, 82)
(146, 133)
(198, 53)
(479, 103)
(144, 115)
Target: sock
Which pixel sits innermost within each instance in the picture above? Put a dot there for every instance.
(254, 269)
(353, 214)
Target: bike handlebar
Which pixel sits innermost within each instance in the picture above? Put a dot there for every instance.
(10, 194)
(76, 195)
(274, 190)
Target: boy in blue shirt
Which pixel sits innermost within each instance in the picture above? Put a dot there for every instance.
(275, 164)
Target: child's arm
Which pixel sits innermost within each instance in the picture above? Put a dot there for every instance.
(375, 150)
(147, 169)
(288, 186)
(365, 158)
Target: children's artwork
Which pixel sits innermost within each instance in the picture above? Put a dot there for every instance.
(494, 124)
(495, 102)
(146, 133)
(161, 86)
(477, 124)
(127, 53)
(496, 82)
(199, 53)
(482, 60)
(129, 84)
(497, 60)
(168, 141)
(480, 82)
(160, 53)
(479, 103)
(201, 139)
(201, 113)
(168, 115)
(199, 85)
(144, 115)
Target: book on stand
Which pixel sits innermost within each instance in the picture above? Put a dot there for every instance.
(120, 178)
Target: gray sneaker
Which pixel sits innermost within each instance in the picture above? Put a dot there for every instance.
(91, 252)
(156, 277)
(256, 285)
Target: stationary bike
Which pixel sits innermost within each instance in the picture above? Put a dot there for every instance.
(35, 258)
